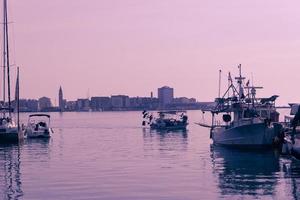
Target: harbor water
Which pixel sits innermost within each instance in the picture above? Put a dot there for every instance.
(108, 155)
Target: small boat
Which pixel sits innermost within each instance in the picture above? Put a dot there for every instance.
(38, 126)
(245, 121)
(9, 131)
(291, 142)
(166, 120)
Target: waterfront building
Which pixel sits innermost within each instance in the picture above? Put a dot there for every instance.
(32, 105)
(120, 102)
(44, 103)
(83, 105)
(165, 96)
(143, 103)
(100, 103)
(26, 105)
(183, 100)
(70, 105)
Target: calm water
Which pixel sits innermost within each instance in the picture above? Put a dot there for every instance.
(110, 156)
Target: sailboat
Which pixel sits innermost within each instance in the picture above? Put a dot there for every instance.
(9, 130)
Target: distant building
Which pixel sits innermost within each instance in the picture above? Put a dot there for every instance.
(70, 105)
(32, 105)
(44, 103)
(26, 105)
(143, 103)
(120, 102)
(100, 103)
(184, 100)
(165, 96)
(61, 101)
(83, 105)
(184, 103)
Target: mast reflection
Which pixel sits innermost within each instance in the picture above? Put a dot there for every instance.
(10, 178)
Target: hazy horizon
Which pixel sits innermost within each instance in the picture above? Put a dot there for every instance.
(133, 47)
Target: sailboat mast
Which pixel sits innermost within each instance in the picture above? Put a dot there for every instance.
(17, 99)
(7, 57)
(4, 52)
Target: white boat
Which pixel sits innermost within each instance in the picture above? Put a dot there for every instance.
(166, 120)
(38, 126)
(9, 130)
(246, 121)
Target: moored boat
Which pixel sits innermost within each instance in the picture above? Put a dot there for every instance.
(166, 120)
(291, 143)
(247, 121)
(9, 130)
(38, 126)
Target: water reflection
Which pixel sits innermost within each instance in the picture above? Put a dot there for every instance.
(10, 173)
(291, 169)
(38, 149)
(165, 140)
(165, 133)
(242, 172)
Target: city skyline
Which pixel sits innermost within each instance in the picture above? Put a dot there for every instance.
(164, 100)
(130, 47)
(60, 97)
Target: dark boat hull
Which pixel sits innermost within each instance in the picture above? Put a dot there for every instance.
(11, 137)
(251, 135)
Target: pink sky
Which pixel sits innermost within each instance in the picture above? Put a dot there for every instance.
(135, 46)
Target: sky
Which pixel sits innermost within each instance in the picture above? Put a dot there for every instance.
(132, 47)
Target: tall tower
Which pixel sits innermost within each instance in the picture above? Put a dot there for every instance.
(61, 99)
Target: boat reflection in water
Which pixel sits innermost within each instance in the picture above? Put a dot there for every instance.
(162, 134)
(245, 173)
(10, 172)
(169, 140)
(291, 178)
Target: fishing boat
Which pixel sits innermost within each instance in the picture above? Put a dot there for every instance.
(38, 126)
(241, 119)
(166, 120)
(9, 130)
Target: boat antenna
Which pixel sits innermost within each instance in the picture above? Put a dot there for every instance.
(229, 83)
(220, 76)
(240, 82)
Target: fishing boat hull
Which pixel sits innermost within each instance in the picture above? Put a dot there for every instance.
(249, 135)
